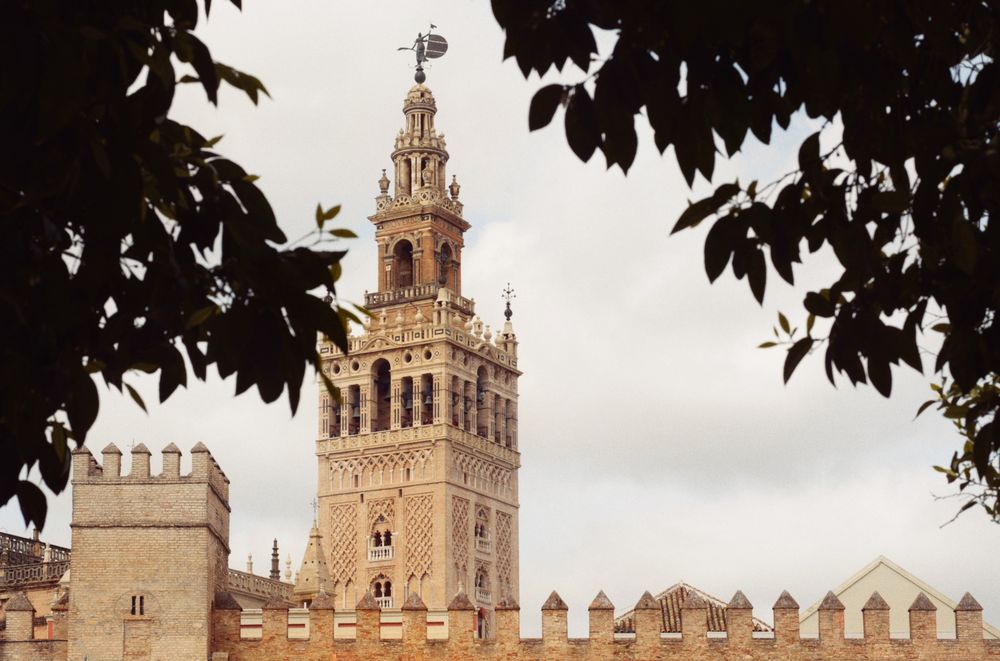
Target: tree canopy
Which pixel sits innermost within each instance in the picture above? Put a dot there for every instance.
(910, 94)
(129, 242)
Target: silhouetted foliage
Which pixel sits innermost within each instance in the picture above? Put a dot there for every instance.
(127, 242)
(904, 200)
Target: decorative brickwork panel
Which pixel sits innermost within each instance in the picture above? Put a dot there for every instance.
(343, 543)
(419, 522)
(504, 555)
(383, 508)
(460, 533)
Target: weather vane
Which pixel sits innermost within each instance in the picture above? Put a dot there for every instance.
(507, 295)
(427, 47)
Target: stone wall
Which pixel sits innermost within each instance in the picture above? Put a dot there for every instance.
(33, 650)
(693, 644)
(149, 553)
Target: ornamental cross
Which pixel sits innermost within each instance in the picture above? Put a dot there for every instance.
(508, 295)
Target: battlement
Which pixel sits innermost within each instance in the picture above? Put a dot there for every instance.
(204, 467)
(373, 638)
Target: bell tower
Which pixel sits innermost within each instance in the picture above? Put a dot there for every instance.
(418, 461)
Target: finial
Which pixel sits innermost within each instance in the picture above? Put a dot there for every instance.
(508, 295)
(315, 506)
(426, 47)
(383, 183)
(454, 187)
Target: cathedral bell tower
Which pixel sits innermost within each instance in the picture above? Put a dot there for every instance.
(418, 462)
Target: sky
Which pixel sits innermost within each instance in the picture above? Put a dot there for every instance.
(658, 444)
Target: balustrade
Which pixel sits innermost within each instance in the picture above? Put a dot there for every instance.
(484, 544)
(379, 553)
(258, 585)
(384, 602)
(484, 596)
(37, 572)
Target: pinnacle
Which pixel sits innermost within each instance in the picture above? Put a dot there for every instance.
(968, 603)
(601, 603)
(367, 603)
(18, 603)
(647, 602)
(740, 602)
(111, 448)
(554, 603)
(322, 602)
(831, 603)
(875, 603)
(922, 603)
(414, 603)
(461, 603)
(785, 602)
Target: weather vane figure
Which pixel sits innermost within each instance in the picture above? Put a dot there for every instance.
(426, 47)
(508, 295)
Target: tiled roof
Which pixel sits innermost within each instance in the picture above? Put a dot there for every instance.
(672, 600)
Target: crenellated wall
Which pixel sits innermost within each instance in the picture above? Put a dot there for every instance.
(693, 643)
(149, 553)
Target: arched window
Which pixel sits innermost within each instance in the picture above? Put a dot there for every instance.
(402, 263)
(377, 539)
(377, 589)
(381, 383)
(387, 589)
(387, 539)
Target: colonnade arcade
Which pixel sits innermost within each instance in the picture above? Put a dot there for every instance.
(386, 401)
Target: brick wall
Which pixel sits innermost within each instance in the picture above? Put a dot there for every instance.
(693, 644)
(149, 553)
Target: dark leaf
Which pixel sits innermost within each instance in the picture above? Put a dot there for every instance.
(543, 106)
(795, 355)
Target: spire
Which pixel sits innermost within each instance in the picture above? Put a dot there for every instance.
(275, 564)
(313, 575)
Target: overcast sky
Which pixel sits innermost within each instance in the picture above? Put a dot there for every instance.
(658, 444)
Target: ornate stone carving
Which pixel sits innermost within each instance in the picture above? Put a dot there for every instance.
(343, 543)
(419, 535)
(503, 552)
(460, 534)
(384, 508)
